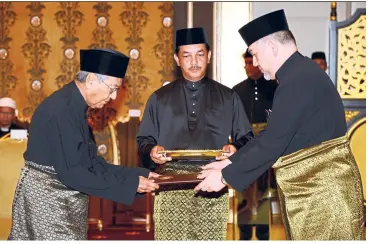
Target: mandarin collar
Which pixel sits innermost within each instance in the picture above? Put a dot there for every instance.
(78, 101)
(194, 85)
(288, 65)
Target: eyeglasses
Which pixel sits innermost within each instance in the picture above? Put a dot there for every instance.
(112, 90)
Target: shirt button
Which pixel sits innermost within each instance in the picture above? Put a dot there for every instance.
(256, 93)
(256, 98)
(193, 95)
(193, 112)
(193, 104)
(255, 88)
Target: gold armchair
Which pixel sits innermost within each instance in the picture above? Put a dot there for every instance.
(11, 163)
(348, 72)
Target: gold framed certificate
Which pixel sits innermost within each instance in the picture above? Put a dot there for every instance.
(192, 154)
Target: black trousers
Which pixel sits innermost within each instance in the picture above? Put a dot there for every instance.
(262, 232)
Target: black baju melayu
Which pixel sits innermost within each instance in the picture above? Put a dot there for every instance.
(61, 166)
(191, 115)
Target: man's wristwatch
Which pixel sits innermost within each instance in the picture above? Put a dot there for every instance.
(224, 181)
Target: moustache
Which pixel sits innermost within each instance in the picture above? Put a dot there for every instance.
(195, 67)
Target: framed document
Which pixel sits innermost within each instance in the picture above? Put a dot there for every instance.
(192, 154)
(177, 182)
(177, 179)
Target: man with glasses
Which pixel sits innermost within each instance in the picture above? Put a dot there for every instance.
(61, 166)
(7, 115)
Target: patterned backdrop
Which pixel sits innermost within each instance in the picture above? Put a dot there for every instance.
(40, 43)
(351, 61)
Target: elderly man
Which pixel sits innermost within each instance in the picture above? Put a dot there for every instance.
(193, 112)
(305, 141)
(7, 115)
(61, 166)
(320, 59)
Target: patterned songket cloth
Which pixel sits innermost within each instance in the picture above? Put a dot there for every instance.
(45, 209)
(321, 193)
(181, 214)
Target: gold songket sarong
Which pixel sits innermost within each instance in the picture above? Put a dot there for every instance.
(320, 192)
(181, 214)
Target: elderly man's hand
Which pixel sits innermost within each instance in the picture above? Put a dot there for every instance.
(229, 150)
(158, 158)
(212, 181)
(153, 175)
(146, 185)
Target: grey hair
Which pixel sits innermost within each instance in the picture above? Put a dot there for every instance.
(82, 76)
(283, 37)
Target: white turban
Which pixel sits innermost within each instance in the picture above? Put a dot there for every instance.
(7, 102)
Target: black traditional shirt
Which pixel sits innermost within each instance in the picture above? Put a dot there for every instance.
(256, 96)
(193, 93)
(59, 137)
(307, 110)
(192, 115)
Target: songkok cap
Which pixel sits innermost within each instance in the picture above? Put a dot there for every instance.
(247, 54)
(104, 61)
(320, 55)
(190, 36)
(7, 102)
(264, 26)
